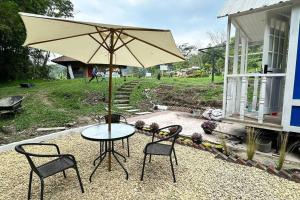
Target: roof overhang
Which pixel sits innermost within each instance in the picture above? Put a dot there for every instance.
(243, 7)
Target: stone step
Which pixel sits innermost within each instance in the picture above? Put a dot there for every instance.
(142, 113)
(124, 107)
(123, 93)
(122, 104)
(133, 110)
(121, 101)
(121, 96)
(125, 89)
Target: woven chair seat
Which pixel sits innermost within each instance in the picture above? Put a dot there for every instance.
(158, 149)
(55, 166)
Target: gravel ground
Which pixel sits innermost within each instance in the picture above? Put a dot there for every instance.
(199, 176)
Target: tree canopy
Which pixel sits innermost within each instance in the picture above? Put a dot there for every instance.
(17, 62)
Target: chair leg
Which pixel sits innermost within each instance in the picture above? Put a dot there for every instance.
(172, 169)
(142, 176)
(64, 173)
(175, 156)
(123, 143)
(150, 158)
(29, 187)
(42, 188)
(100, 148)
(128, 147)
(79, 179)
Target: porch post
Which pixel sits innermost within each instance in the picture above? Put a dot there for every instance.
(262, 100)
(255, 92)
(226, 69)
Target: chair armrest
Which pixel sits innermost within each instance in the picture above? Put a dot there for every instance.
(45, 144)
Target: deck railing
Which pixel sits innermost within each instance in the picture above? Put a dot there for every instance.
(237, 93)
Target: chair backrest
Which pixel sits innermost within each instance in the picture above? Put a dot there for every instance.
(19, 148)
(173, 136)
(115, 118)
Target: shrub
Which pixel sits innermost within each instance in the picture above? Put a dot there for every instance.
(208, 126)
(154, 127)
(252, 136)
(139, 124)
(197, 138)
(172, 130)
(282, 151)
(224, 144)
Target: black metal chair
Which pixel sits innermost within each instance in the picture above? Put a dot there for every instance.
(157, 148)
(115, 118)
(59, 164)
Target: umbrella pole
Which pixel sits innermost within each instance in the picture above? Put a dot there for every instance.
(111, 52)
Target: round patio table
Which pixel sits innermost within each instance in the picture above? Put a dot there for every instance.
(101, 134)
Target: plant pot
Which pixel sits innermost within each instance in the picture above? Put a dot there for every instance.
(264, 146)
(207, 131)
(197, 141)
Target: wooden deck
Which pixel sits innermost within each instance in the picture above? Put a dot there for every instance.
(270, 122)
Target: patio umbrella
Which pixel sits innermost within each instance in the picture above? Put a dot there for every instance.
(95, 43)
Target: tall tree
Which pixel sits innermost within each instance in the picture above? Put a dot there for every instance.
(14, 59)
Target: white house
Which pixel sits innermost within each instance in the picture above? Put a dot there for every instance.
(270, 98)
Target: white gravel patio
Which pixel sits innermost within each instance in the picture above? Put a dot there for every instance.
(199, 176)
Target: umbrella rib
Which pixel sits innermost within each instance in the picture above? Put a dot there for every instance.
(102, 37)
(101, 44)
(131, 53)
(52, 40)
(154, 46)
(142, 29)
(124, 44)
(118, 37)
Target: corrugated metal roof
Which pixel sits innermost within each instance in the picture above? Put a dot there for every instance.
(238, 6)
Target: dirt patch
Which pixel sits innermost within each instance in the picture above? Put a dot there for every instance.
(93, 98)
(45, 99)
(192, 97)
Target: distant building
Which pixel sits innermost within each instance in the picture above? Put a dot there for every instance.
(77, 69)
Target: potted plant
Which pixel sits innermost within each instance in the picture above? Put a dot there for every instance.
(172, 130)
(154, 127)
(209, 126)
(139, 124)
(197, 138)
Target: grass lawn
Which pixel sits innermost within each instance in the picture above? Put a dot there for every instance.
(57, 102)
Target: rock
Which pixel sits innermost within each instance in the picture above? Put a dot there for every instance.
(9, 129)
(84, 120)
(71, 124)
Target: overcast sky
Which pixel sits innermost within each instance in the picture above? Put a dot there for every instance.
(189, 20)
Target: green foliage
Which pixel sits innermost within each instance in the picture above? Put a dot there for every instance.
(14, 59)
(283, 150)
(252, 136)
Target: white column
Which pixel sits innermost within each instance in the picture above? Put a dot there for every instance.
(255, 92)
(243, 98)
(225, 102)
(235, 99)
(229, 98)
(70, 71)
(262, 99)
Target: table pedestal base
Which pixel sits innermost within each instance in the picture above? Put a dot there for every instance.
(108, 149)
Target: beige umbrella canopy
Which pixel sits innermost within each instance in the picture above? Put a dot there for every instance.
(95, 43)
(101, 44)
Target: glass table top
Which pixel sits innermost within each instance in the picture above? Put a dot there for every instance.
(100, 132)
